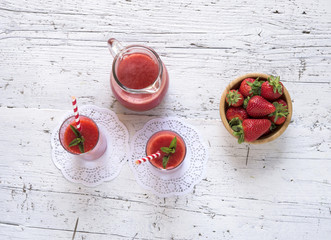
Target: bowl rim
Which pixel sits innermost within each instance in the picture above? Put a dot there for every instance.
(273, 135)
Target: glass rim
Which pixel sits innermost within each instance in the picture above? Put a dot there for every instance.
(133, 90)
(165, 169)
(62, 144)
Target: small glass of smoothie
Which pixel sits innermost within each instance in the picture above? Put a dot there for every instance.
(92, 146)
(163, 139)
(139, 80)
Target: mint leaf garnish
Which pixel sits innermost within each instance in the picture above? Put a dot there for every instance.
(74, 142)
(165, 150)
(165, 161)
(169, 150)
(173, 143)
(81, 147)
(76, 132)
(77, 141)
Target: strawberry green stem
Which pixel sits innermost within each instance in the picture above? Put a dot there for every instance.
(255, 87)
(281, 111)
(233, 97)
(275, 83)
(237, 127)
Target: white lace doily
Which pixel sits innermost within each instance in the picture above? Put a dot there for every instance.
(182, 179)
(108, 166)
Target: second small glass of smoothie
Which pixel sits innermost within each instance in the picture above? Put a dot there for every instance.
(163, 139)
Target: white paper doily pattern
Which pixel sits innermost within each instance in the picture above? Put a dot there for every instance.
(182, 179)
(108, 166)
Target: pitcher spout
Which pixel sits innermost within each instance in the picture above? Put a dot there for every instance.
(154, 88)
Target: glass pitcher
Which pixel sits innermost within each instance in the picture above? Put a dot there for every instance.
(139, 79)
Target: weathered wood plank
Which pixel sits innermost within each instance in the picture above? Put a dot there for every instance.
(274, 188)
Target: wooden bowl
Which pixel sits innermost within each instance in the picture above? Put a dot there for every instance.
(235, 84)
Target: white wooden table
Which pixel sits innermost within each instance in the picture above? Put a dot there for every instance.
(51, 50)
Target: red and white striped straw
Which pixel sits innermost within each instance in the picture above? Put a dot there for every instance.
(149, 157)
(74, 104)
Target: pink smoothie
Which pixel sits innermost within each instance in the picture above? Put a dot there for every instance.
(163, 139)
(89, 131)
(138, 71)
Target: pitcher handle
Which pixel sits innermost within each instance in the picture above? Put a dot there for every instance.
(114, 46)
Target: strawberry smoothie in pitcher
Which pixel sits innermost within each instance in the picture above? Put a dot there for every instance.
(139, 80)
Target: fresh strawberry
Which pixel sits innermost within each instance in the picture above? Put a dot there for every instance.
(250, 129)
(279, 121)
(281, 101)
(250, 87)
(234, 98)
(238, 112)
(272, 89)
(258, 107)
(279, 116)
(271, 129)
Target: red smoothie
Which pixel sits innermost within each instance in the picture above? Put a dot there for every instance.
(138, 71)
(89, 131)
(163, 139)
